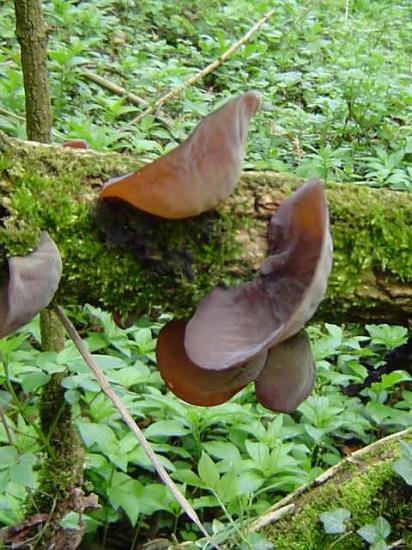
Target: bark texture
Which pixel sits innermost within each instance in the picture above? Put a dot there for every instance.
(159, 265)
(61, 477)
(32, 37)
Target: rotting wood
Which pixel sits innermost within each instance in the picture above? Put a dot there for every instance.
(371, 278)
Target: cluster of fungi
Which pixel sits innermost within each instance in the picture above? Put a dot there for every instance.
(252, 332)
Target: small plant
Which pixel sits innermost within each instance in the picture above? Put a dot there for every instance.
(376, 533)
(403, 466)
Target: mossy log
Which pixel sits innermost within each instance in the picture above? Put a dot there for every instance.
(174, 263)
(364, 483)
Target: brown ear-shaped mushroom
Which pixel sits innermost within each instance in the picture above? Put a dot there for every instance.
(197, 175)
(288, 375)
(191, 383)
(231, 326)
(30, 286)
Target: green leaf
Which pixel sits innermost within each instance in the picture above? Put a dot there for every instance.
(155, 497)
(208, 471)
(376, 531)
(334, 522)
(8, 457)
(70, 521)
(403, 466)
(31, 382)
(259, 453)
(167, 428)
(126, 492)
(22, 474)
(391, 336)
(100, 434)
(223, 450)
(227, 488)
(189, 477)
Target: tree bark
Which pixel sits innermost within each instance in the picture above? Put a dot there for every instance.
(32, 37)
(61, 475)
(170, 265)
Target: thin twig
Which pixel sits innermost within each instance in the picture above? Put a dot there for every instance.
(9, 114)
(112, 87)
(127, 418)
(211, 67)
(6, 426)
(346, 10)
(122, 92)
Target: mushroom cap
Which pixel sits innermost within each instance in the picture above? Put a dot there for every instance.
(231, 326)
(200, 173)
(288, 375)
(190, 382)
(32, 282)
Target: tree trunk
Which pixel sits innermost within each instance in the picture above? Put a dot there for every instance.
(61, 475)
(363, 483)
(170, 265)
(32, 37)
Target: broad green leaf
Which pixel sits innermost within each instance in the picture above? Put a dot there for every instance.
(189, 477)
(223, 450)
(227, 488)
(126, 493)
(390, 336)
(334, 521)
(22, 472)
(8, 457)
(100, 434)
(70, 521)
(31, 382)
(403, 466)
(208, 471)
(378, 530)
(167, 428)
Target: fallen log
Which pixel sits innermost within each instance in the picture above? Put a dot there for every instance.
(168, 266)
(364, 483)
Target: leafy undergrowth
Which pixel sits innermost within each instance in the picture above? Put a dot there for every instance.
(232, 461)
(337, 86)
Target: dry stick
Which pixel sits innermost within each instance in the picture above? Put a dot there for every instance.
(117, 402)
(119, 90)
(112, 87)
(9, 114)
(286, 505)
(198, 76)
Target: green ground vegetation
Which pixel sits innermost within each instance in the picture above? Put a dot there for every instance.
(336, 85)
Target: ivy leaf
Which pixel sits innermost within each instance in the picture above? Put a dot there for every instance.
(334, 522)
(71, 521)
(375, 532)
(403, 466)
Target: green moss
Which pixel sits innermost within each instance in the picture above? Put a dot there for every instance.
(119, 279)
(376, 238)
(55, 189)
(367, 493)
(62, 469)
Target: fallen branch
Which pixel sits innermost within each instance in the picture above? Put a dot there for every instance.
(9, 114)
(127, 418)
(211, 67)
(112, 87)
(287, 504)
